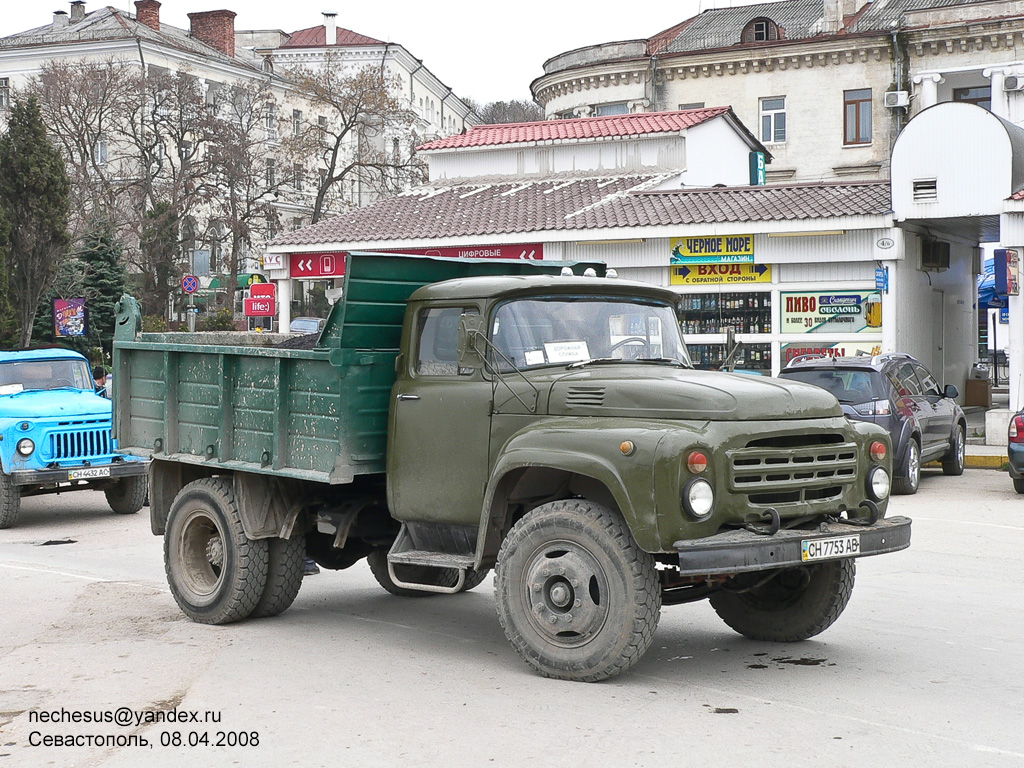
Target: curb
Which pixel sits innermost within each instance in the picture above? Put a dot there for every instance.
(975, 462)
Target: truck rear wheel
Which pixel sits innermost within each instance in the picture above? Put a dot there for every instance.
(10, 501)
(797, 603)
(128, 495)
(216, 573)
(285, 562)
(577, 598)
(419, 574)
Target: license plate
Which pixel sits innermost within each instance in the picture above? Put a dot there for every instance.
(88, 473)
(823, 549)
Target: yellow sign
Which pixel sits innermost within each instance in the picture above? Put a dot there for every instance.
(720, 274)
(713, 249)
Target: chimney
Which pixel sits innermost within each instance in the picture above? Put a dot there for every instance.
(60, 19)
(77, 11)
(216, 29)
(832, 17)
(148, 12)
(331, 27)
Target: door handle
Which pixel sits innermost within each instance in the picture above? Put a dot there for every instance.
(408, 397)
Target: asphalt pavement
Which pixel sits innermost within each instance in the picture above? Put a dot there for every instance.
(922, 669)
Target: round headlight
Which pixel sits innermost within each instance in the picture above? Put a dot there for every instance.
(698, 498)
(878, 484)
(26, 446)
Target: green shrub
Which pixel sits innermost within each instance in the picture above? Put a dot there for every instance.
(221, 320)
(154, 324)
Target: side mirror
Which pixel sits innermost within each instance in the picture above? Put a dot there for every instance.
(471, 341)
(951, 392)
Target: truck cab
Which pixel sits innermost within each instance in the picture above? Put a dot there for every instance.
(55, 434)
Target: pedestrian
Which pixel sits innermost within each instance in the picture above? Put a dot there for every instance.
(99, 378)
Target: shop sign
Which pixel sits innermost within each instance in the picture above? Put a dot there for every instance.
(713, 249)
(840, 349)
(1007, 268)
(523, 251)
(69, 317)
(1004, 315)
(306, 265)
(720, 274)
(272, 261)
(832, 312)
(260, 307)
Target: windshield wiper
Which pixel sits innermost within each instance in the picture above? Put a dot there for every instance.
(658, 360)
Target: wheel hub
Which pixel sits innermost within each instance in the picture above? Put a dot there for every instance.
(566, 593)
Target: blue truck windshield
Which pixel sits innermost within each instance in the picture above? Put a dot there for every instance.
(21, 375)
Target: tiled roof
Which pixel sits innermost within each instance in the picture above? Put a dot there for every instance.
(550, 205)
(108, 23)
(316, 37)
(579, 128)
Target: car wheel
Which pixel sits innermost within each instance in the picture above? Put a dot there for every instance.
(575, 595)
(1018, 486)
(796, 604)
(953, 462)
(10, 501)
(907, 481)
(217, 574)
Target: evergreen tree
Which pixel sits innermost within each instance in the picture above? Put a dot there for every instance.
(34, 192)
(104, 280)
(8, 328)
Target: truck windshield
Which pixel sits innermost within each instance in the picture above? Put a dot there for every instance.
(21, 375)
(564, 330)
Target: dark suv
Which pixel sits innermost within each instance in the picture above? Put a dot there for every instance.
(897, 392)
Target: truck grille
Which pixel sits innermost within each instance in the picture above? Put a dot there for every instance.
(793, 468)
(80, 444)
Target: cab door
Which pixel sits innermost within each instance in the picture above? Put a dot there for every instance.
(440, 427)
(941, 425)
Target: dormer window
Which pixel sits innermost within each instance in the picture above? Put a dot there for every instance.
(760, 30)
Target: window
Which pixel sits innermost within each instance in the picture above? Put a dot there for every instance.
(100, 150)
(693, 105)
(296, 122)
(773, 120)
(438, 351)
(297, 174)
(296, 223)
(980, 95)
(906, 382)
(602, 110)
(5, 92)
(928, 384)
(761, 30)
(857, 116)
(271, 122)
(271, 172)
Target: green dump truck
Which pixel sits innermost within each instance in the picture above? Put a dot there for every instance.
(460, 416)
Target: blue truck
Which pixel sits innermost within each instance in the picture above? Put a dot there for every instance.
(55, 434)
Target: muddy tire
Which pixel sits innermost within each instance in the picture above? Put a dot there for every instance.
(576, 596)
(908, 479)
(10, 501)
(286, 559)
(216, 573)
(797, 604)
(953, 462)
(128, 495)
(418, 574)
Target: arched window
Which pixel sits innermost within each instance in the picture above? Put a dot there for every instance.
(760, 30)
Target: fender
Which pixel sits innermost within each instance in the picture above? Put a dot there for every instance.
(902, 441)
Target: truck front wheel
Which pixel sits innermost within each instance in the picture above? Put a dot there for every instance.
(792, 605)
(577, 598)
(128, 495)
(216, 573)
(10, 501)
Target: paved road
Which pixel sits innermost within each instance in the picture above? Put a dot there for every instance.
(924, 667)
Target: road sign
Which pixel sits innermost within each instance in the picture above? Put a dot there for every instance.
(190, 283)
(263, 291)
(260, 307)
(882, 279)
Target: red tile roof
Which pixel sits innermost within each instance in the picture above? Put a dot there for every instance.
(550, 205)
(316, 37)
(579, 128)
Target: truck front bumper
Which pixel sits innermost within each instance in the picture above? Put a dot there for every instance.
(743, 551)
(110, 471)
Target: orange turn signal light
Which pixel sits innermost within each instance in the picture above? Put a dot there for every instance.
(627, 447)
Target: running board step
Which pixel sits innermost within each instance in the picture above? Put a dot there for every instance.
(401, 554)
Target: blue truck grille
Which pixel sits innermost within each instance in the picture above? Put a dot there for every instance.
(80, 444)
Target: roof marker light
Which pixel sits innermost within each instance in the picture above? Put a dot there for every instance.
(589, 272)
(566, 272)
(611, 274)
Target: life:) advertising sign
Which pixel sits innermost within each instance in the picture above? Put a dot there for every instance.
(712, 249)
(832, 312)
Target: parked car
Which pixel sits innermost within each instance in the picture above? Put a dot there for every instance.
(895, 391)
(55, 434)
(306, 325)
(1015, 451)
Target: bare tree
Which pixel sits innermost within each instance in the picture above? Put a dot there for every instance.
(249, 167)
(358, 129)
(503, 112)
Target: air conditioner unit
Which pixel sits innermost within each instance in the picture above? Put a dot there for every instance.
(934, 255)
(895, 99)
(1013, 83)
